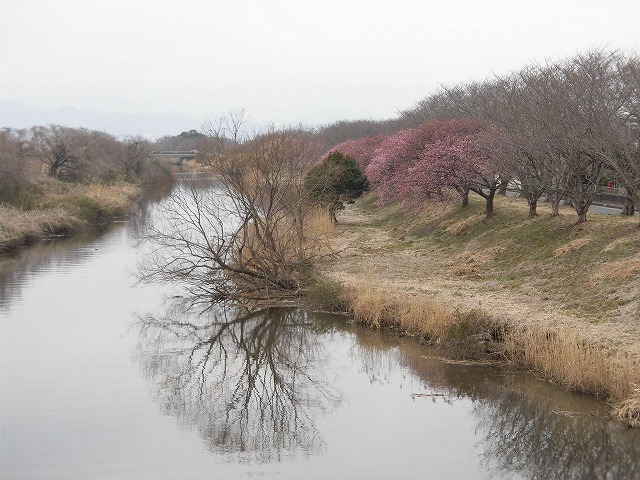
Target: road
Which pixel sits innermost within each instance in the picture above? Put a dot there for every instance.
(607, 210)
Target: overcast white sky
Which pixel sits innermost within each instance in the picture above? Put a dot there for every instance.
(285, 61)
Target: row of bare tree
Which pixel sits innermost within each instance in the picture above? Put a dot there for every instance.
(560, 130)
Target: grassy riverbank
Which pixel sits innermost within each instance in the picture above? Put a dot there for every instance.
(52, 207)
(559, 299)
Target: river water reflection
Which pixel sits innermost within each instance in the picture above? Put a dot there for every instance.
(102, 378)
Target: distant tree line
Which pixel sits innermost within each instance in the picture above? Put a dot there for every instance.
(69, 154)
(559, 131)
(184, 142)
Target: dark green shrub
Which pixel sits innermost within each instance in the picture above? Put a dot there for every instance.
(336, 180)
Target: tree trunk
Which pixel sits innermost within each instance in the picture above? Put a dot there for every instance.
(582, 217)
(629, 207)
(555, 205)
(581, 203)
(489, 206)
(569, 202)
(532, 198)
(489, 210)
(464, 196)
(581, 208)
(636, 201)
(533, 206)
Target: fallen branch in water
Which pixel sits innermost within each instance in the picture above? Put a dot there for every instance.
(482, 363)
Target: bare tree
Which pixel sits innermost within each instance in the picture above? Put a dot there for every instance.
(133, 156)
(562, 128)
(503, 103)
(445, 104)
(59, 149)
(573, 109)
(547, 117)
(587, 102)
(616, 124)
(485, 180)
(14, 157)
(229, 130)
(343, 130)
(246, 238)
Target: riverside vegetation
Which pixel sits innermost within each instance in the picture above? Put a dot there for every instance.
(488, 284)
(543, 293)
(54, 208)
(566, 307)
(551, 294)
(57, 181)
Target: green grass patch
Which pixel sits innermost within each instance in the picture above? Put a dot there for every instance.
(402, 245)
(87, 208)
(327, 295)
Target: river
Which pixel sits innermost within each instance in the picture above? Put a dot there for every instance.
(105, 378)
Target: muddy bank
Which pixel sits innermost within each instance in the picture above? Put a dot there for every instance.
(428, 289)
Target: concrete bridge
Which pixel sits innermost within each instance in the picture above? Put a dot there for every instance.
(182, 154)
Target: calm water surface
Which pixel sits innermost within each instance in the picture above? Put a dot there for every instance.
(105, 379)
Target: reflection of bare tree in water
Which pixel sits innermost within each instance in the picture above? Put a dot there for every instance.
(528, 428)
(148, 210)
(527, 435)
(249, 382)
(58, 255)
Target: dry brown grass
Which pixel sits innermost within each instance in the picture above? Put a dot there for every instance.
(370, 306)
(62, 208)
(18, 227)
(563, 298)
(619, 270)
(628, 410)
(565, 356)
(414, 315)
(629, 240)
(460, 226)
(572, 246)
(470, 262)
(291, 245)
(113, 199)
(318, 224)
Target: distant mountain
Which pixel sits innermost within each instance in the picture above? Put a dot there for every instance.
(151, 125)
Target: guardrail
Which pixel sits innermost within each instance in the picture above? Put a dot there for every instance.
(611, 194)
